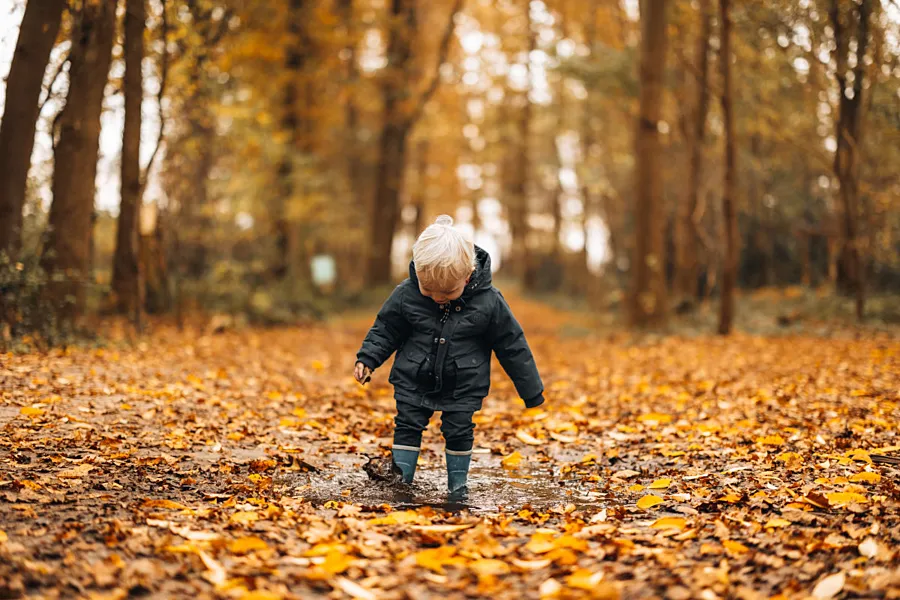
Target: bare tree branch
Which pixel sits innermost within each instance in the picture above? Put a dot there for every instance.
(443, 50)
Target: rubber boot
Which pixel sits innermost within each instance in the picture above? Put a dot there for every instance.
(406, 458)
(457, 469)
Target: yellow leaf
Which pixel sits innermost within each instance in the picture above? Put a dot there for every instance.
(636, 488)
(789, 457)
(245, 545)
(489, 566)
(777, 522)
(164, 504)
(3, 536)
(584, 579)
(31, 411)
(860, 455)
(733, 547)
(526, 438)
(326, 548)
(730, 498)
(435, 559)
(770, 440)
(655, 418)
(261, 595)
(318, 366)
(660, 484)
(442, 528)
(866, 477)
(396, 518)
(670, 523)
(512, 460)
(336, 562)
(244, 517)
(838, 498)
(648, 502)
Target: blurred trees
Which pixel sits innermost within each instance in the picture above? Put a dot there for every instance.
(578, 140)
(37, 35)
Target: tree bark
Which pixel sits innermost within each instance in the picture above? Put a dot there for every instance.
(647, 298)
(286, 234)
(729, 215)
(125, 261)
(849, 140)
(399, 117)
(686, 242)
(518, 206)
(68, 247)
(37, 35)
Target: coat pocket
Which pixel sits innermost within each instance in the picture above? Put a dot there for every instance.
(471, 361)
(410, 369)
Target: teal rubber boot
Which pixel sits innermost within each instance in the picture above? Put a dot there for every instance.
(406, 457)
(457, 469)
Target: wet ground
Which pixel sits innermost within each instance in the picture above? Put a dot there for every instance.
(491, 487)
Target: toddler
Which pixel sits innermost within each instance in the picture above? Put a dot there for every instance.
(444, 321)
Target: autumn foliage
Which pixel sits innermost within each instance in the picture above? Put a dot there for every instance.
(229, 465)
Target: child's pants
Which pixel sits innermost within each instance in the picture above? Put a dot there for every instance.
(411, 421)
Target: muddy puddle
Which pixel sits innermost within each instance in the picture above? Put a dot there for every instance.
(491, 487)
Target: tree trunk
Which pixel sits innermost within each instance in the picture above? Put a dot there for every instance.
(388, 187)
(518, 210)
(68, 246)
(400, 115)
(286, 234)
(849, 140)
(37, 34)
(686, 242)
(729, 216)
(647, 301)
(421, 197)
(125, 262)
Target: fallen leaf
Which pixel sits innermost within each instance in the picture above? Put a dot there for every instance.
(245, 518)
(435, 559)
(512, 460)
(660, 484)
(489, 566)
(648, 502)
(246, 545)
(770, 440)
(31, 411)
(829, 587)
(866, 477)
(584, 579)
(531, 565)
(354, 590)
(396, 518)
(215, 573)
(168, 504)
(655, 418)
(735, 548)
(526, 438)
(869, 548)
(776, 522)
(842, 498)
(670, 523)
(442, 528)
(261, 595)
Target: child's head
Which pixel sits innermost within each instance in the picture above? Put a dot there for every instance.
(444, 259)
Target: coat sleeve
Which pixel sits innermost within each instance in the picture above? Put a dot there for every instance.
(509, 344)
(388, 333)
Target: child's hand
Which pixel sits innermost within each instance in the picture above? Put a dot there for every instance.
(362, 373)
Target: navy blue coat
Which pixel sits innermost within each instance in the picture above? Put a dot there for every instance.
(443, 352)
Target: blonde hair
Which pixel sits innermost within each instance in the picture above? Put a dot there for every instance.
(443, 255)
